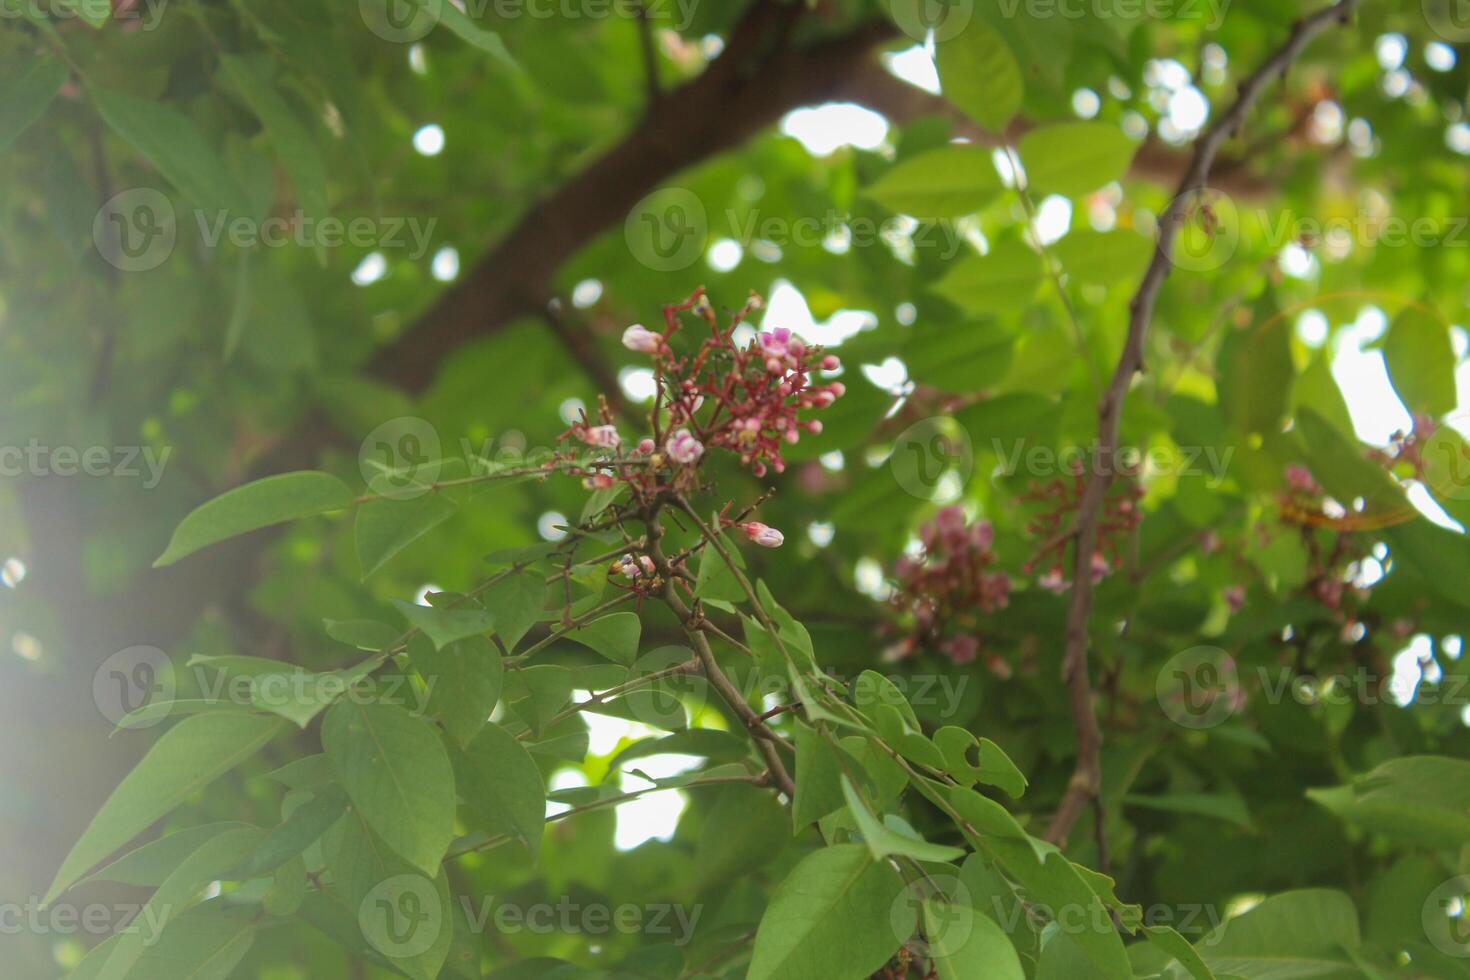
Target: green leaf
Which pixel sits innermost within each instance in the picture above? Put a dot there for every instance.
(746, 829)
(189, 756)
(958, 358)
(515, 604)
(211, 862)
(398, 776)
(464, 681)
(833, 917)
(818, 778)
(1222, 806)
(1004, 281)
(475, 35)
(23, 100)
(715, 579)
(296, 833)
(204, 944)
(288, 888)
(1177, 947)
(1074, 158)
(991, 764)
(1421, 361)
(251, 78)
(365, 634)
(1294, 934)
(884, 839)
(947, 182)
(500, 782)
(445, 626)
(273, 500)
(174, 144)
(1107, 258)
(1255, 372)
(615, 636)
(965, 944)
(150, 864)
(385, 526)
(379, 906)
(95, 13)
(1419, 801)
(980, 75)
(295, 694)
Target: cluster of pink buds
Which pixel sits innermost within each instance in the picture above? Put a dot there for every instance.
(1299, 481)
(747, 399)
(639, 571)
(751, 399)
(1061, 498)
(945, 588)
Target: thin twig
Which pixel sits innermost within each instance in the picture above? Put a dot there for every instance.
(1087, 776)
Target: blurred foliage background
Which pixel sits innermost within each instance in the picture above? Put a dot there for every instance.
(522, 150)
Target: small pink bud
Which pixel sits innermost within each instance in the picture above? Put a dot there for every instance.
(763, 534)
(837, 388)
(831, 363)
(646, 446)
(639, 338)
(814, 427)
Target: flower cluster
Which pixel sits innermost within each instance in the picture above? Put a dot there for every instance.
(1060, 499)
(945, 587)
(749, 399)
(746, 399)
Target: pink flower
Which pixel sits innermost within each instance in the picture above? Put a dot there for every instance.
(1052, 581)
(982, 535)
(1235, 597)
(763, 534)
(950, 519)
(639, 338)
(995, 591)
(1100, 567)
(962, 649)
(601, 436)
(646, 446)
(1299, 478)
(684, 448)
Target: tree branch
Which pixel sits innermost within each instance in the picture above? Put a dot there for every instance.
(1087, 775)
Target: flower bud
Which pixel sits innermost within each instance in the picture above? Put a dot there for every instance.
(639, 338)
(763, 534)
